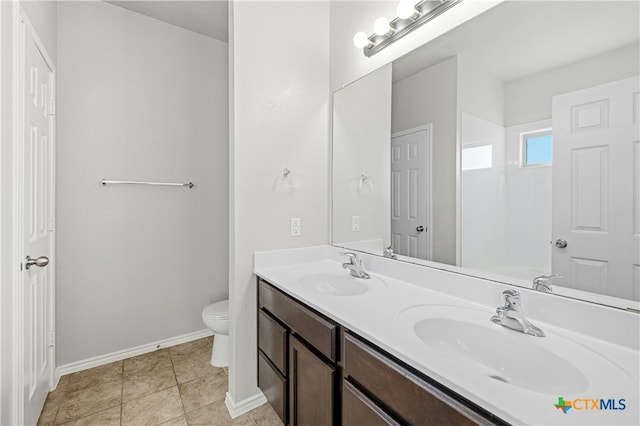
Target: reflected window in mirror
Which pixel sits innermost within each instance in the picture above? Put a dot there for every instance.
(537, 148)
(477, 157)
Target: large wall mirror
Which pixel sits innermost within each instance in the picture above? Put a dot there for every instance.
(507, 148)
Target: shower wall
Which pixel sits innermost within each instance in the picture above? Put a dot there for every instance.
(138, 99)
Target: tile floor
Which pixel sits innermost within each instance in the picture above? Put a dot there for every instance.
(173, 386)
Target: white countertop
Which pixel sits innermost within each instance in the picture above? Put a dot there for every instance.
(604, 340)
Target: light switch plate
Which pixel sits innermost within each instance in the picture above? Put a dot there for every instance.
(296, 227)
(355, 223)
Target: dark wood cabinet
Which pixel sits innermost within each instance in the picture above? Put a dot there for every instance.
(404, 395)
(314, 372)
(272, 340)
(357, 409)
(318, 331)
(274, 385)
(297, 354)
(311, 387)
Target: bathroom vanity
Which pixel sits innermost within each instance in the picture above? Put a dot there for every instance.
(415, 345)
(314, 371)
(297, 358)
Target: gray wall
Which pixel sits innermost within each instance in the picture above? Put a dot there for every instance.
(362, 145)
(42, 15)
(479, 93)
(529, 99)
(138, 99)
(430, 96)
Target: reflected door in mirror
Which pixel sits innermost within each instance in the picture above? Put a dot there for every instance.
(410, 192)
(596, 200)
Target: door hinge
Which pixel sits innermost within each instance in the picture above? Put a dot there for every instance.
(52, 223)
(52, 107)
(52, 338)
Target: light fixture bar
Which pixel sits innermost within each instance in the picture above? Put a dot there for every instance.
(402, 27)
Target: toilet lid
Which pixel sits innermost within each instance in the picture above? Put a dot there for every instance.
(217, 310)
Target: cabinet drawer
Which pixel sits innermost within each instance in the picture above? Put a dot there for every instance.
(358, 410)
(273, 385)
(403, 393)
(272, 340)
(319, 332)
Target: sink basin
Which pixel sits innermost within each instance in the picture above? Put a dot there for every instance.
(338, 284)
(468, 340)
(519, 363)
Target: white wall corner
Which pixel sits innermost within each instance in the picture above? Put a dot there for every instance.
(237, 409)
(55, 380)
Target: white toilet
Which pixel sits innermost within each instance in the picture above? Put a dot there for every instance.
(216, 317)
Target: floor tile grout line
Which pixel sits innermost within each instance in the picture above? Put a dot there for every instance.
(175, 376)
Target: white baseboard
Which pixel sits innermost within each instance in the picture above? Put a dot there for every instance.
(239, 408)
(128, 353)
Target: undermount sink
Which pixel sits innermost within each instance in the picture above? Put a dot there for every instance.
(470, 344)
(335, 284)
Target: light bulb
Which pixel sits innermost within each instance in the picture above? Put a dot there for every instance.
(360, 40)
(381, 26)
(406, 9)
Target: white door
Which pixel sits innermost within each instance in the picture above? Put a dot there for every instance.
(38, 184)
(411, 192)
(596, 189)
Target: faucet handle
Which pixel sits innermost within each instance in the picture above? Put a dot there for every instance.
(543, 282)
(511, 299)
(546, 277)
(353, 258)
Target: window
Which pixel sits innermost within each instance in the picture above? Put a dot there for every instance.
(477, 157)
(537, 148)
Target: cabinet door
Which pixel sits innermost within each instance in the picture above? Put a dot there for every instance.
(311, 387)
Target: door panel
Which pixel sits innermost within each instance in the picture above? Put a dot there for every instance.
(410, 189)
(596, 191)
(38, 184)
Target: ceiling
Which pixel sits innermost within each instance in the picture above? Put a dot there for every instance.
(521, 38)
(205, 17)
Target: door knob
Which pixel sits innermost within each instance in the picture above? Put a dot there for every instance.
(40, 261)
(560, 243)
(420, 228)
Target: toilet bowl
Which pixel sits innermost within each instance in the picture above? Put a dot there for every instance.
(216, 317)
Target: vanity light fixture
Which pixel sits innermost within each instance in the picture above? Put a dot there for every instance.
(361, 40)
(407, 10)
(411, 15)
(382, 27)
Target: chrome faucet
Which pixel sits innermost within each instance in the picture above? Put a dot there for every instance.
(354, 265)
(388, 253)
(511, 315)
(543, 282)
